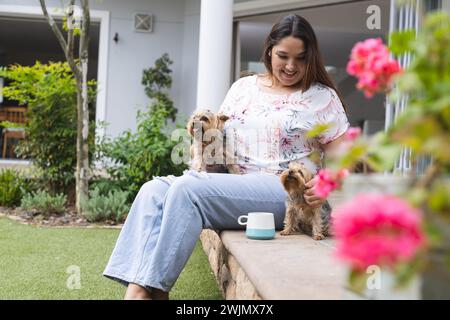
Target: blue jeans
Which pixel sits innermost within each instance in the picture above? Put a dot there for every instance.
(166, 219)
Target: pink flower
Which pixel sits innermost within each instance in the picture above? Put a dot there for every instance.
(352, 133)
(343, 173)
(324, 183)
(377, 229)
(371, 64)
(327, 181)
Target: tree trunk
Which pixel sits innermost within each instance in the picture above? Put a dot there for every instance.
(80, 70)
(83, 110)
(81, 188)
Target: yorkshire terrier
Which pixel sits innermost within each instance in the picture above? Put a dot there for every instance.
(199, 123)
(299, 215)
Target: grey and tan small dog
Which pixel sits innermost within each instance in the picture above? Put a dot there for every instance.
(299, 215)
(199, 123)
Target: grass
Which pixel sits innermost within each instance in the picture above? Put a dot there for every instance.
(35, 263)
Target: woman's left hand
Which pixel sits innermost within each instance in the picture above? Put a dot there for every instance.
(310, 197)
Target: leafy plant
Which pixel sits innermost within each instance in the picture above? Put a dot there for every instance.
(132, 159)
(112, 206)
(135, 158)
(104, 185)
(12, 187)
(49, 91)
(43, 202)
(423, 127)
(157, 79)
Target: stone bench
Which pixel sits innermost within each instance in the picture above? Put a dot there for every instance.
(287, 267)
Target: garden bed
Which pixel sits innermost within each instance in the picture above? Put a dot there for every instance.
(69, 218)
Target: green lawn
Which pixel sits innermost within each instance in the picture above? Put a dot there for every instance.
(34, 263)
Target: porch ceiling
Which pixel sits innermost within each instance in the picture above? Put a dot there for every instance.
(336, 26)
(34, 35)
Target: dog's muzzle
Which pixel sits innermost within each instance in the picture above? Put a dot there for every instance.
(291, 176)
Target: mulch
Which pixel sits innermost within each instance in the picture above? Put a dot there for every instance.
(69, 218)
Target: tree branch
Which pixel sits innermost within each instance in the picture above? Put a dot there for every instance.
(60, 38)
(85, 29)
(70, 36)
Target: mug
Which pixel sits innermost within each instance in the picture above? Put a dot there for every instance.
(260, 225)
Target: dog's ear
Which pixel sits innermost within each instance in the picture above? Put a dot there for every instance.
(223, 117)
(190, 126)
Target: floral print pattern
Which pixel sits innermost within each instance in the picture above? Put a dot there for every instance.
(269, 130)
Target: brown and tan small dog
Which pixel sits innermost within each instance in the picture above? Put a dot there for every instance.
(199, 123)
(299, 215)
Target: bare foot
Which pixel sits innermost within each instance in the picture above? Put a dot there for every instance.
(158, 294)
(136, 292)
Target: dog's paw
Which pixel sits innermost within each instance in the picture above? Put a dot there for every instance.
(286, 232)
(233, 169)
(318, 236)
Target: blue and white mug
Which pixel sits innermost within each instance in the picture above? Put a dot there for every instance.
(260, 225)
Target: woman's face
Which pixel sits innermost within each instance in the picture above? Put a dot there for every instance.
(288, 61)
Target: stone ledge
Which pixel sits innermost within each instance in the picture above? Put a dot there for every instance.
(287, 267)
(232, 279)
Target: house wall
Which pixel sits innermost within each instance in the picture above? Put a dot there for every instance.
(175, 31)
(446, 5)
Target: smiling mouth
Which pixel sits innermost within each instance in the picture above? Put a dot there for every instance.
(288, 74)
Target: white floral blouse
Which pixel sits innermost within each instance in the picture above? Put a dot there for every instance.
(269, 130)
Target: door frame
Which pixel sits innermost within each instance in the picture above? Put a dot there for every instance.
(101, 16)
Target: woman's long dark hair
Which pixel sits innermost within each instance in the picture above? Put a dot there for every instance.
(298, 27)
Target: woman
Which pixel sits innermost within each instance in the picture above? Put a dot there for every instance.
(166, 218)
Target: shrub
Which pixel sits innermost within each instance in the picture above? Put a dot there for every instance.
(12, 186)
(49, 91)
(104, 185)
(132, 159)
(100, 207)
(44, 203)
(157, 79)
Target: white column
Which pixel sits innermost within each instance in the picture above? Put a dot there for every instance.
(214, 57)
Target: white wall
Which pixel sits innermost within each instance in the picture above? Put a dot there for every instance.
(446, 5)
(175, 31)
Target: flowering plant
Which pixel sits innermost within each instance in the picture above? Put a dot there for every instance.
(371, 64)
(385, 229)
(382, 230)
(327, 181)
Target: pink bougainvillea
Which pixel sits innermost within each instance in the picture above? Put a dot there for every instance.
(377, 229)
(371, 64)
(352, 133)
(327, 181)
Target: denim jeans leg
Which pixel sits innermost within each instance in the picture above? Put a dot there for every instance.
(192, 204)
(136, 242)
